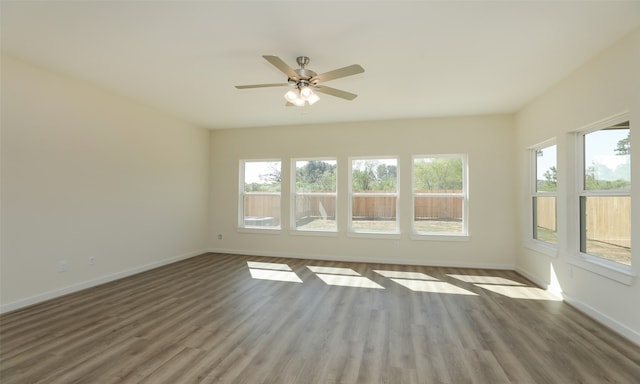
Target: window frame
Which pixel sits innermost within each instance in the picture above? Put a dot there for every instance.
(454, 236)
(294, 194)
(619, 272)
(372, 234)
(242, 194)
(547, 248)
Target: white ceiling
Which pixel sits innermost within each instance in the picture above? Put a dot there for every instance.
(421, 59)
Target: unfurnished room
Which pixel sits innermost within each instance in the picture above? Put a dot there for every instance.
(319, 192)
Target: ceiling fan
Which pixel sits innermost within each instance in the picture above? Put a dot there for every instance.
(303, 82)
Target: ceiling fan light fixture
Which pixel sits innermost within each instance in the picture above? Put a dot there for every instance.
(313, 98)
(301, 81)
(291, 96)
(305, 92)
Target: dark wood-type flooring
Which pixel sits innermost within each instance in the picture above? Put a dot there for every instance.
(207, 320)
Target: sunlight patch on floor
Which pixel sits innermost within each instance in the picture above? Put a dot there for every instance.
(273, 266)
(528, 293)
(267, 274)
(333, 270)
(484, 279)
(404, 275)
(349, 281)
(272, 271)
(433, 287)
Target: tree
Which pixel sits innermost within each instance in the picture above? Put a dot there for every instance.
(316, 176)
(372, 175)
(624, 146)
(550, 182)
(438, 174)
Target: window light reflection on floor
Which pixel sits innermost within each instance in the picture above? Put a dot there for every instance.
(433, 287)
(506, 287)
(273, 266)
(484, 279)
(528, 293)
(272, 271)
(349, 281)
(333, 270)
(404, 275)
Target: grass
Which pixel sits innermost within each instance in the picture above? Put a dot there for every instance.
(607, 251)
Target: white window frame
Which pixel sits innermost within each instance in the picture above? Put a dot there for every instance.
(615, 271)
(242, 193)
(464, 235)
(294, 194)
(351, 195)
(543, 247)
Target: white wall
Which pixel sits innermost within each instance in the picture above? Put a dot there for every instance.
(488, 141)
(86, 173)
(607, 85)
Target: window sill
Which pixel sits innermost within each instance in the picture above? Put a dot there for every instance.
(374, 235)
(260, 230)
(302, 232)
(620, 273)
(546, 249)
(440, 237)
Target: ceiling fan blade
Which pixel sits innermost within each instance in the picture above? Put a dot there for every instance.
(338, 73)
(282, 66)
(261, 85)
(335, 92)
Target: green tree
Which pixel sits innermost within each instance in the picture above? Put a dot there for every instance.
(438, 174)
(316, 176)
(373, 175)
(550, 182)
(624, 146)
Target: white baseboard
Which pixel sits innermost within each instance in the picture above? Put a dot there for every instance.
(605, 320)
(354, 259)
(92, 283)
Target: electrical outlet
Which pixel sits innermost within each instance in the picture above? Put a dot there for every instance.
(63, 266)
(92, 260)
(219, 236)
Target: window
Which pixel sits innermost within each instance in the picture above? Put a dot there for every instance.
(314, 195)
(439, 195)
(544, 193)
(260, 194)
(373, 195)
(605, 193)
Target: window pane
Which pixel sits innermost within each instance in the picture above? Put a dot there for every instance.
(437, 174)
(261, 195)
(262, 176)
(546, 169)
(438, 214)
(261, 210)
(316, 176)
(374, 175)
(315, 213)
(374, 214)
(605, 224)
(544, 219)
(607, 158)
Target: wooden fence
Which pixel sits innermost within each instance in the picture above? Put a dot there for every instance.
(546, 213)
(608, 219)
(363, 207)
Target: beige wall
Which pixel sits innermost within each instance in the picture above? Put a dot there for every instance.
(607, 85)
(87, 174)
(488, 142)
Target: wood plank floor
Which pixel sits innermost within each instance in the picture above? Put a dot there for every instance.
(237, 319)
